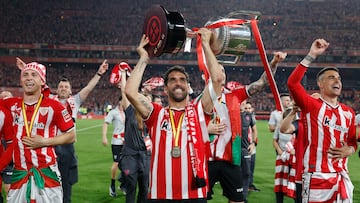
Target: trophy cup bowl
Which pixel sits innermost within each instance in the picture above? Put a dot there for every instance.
(167, 33)
(230, 41)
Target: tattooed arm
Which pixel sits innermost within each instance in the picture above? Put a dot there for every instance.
(139, 101)
(261, 83)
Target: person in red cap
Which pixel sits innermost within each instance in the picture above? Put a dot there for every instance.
(40, 123)
(66, 153)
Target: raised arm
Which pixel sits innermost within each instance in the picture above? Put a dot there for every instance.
(216, 71)
(124, 102)
(261, 83)
(84, 92)
(294, 81)
(139, 101)
(286, 125)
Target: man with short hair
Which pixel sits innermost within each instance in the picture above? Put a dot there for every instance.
(178, 171)
(330, 133)
(253, 137)
(66, 153)
(116, 117)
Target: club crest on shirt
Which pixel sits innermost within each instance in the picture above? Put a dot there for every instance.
(15, 110)
(16, 113)
(66, 115)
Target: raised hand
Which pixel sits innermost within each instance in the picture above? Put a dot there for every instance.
(141, 50)
(318, 47)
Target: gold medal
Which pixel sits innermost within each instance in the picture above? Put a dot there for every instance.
(176, 152)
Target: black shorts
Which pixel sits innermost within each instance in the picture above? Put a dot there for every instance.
(7, 173)
(116, 152)
(230, 178)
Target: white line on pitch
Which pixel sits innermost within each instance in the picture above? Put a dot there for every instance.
(82, 129)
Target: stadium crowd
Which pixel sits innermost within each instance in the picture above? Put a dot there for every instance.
(284, 24)
(287, 24)
(116, 26)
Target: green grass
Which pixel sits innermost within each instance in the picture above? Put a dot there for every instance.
(95, 162)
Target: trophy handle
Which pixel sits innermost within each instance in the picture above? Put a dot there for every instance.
(241, 13)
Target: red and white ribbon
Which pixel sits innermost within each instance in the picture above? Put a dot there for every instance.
(259, 43)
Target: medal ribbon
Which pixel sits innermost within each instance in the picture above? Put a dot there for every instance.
(176, 131)
(27, 127)
(270, 77)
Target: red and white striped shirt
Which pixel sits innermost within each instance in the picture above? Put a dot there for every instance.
(6, 133)
(221, 145)
(327, 126)
(50, 117)
(172, 178)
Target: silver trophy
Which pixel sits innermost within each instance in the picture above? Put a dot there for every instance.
(168, 34)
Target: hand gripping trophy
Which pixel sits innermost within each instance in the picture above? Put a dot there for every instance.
(168, 34)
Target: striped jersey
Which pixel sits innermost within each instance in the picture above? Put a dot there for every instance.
(6, 132)
(50, 117)
(327, 126)
(221, 145)
(171, 177)
(72, 104)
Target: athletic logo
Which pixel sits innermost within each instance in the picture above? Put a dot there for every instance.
(165, 125)
(331, 124)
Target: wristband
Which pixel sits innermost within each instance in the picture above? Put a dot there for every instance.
(309, 58)
(99, 74)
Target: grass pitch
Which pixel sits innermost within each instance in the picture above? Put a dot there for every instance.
(95, 161)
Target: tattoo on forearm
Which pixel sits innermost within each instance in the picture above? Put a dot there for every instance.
(256, 87)
(145, 103)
